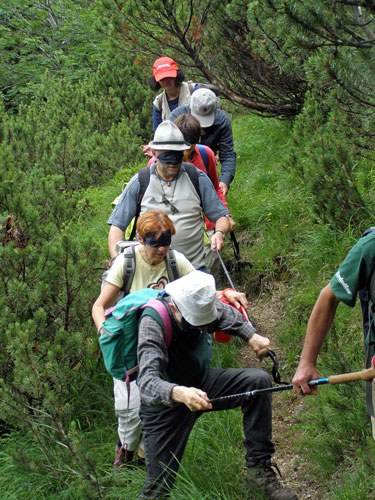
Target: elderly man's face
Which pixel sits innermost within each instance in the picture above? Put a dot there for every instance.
(168, 169)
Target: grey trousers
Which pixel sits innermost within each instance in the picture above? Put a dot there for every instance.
(166, 429)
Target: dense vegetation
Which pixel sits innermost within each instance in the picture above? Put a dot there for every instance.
(75, 109)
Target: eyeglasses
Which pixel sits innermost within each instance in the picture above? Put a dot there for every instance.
(174, 210)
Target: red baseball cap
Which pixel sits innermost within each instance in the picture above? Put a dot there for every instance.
(164, 67)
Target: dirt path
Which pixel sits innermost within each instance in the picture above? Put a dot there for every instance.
(266, 312)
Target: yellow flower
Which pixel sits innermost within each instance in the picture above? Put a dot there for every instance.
(270, 213)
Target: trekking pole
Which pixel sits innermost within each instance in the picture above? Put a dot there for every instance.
(263, 352)
(225, 270)
(367, 374)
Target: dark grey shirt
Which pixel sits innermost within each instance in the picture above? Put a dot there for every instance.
(219, 137)
(153, 353)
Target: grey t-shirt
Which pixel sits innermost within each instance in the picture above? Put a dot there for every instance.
(183, 195)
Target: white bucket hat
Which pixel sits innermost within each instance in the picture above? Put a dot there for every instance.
(195, 297)
(168, 137)
(203, 106)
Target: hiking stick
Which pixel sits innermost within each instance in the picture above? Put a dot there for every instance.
(263, 352)
(225, 270)
(367, 374)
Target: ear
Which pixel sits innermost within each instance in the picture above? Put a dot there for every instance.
(140, 239)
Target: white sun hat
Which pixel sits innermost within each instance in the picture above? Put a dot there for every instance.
(195, 297)
(168, 137)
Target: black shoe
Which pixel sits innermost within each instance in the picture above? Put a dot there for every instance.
(262, 479)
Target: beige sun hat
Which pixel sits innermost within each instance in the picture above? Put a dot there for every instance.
(168, 137)
(195, 297)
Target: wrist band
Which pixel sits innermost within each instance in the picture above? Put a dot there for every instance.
(220, 231)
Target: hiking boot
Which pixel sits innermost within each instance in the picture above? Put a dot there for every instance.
(123, 457)
(261, 478)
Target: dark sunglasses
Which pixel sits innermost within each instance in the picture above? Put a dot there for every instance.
(174, 210)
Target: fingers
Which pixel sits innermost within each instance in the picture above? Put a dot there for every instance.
(217, 242)
(224, 187)
(262, 353)
(197, 400)
(300, 380)
(259, 343)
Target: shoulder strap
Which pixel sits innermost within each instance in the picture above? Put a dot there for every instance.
(160, 307)
(193, 176)
(191, 86)
(158, 102)
(172, 268)
(204, 155)
(129, 269)
(371, 282)
(144, 181)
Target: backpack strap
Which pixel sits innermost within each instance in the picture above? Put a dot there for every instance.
(161, 308)
(144, 181)
(193, 176)
(204, 155)
(367, 296)
(129, 269)
(172, 267)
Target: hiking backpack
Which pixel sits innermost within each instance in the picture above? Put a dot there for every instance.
(119, 339)
(128, 249)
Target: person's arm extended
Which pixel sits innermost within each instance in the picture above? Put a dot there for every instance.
(123, 213)
(105, 300)
(227, 155)
(115, 234)
(222, 227)
(153, 362)
(318, 326)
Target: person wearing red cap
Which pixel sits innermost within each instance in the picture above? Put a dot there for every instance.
(176, 92)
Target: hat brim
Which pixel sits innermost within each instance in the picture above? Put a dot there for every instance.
(158, 146)
(204, 120)
(172, 73)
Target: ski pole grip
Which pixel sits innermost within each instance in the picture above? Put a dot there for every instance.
(368, 374)
(263, 353)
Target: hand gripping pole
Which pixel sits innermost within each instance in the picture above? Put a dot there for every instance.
(343, 378)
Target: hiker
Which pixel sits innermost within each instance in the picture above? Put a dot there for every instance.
(353, 277)
(176, 92)
(154, 232)
(203, 158)
(216, 130)
(179, 189)
(176, 384)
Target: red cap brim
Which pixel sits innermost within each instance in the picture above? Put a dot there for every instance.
(172, 73)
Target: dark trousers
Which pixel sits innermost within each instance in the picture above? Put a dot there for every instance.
(166, 429)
